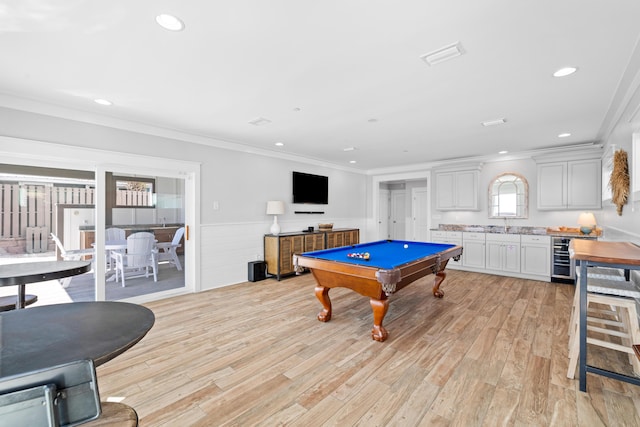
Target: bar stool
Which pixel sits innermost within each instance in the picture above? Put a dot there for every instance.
(620, 320)
(592, 273)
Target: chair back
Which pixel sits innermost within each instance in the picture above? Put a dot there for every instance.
(63, 252)
(139, 248)
(62, 395)
(113, 234)
(178, 236)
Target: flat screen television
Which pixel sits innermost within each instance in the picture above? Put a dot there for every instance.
(312, 189)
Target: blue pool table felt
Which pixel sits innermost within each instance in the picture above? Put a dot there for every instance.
(384, 254)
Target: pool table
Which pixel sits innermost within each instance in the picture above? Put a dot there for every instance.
(391, 265)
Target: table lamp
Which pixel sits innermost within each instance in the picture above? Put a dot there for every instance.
(275, 208)
(587, 222)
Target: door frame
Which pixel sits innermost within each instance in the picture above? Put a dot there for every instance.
(28, 152)
(401, 176)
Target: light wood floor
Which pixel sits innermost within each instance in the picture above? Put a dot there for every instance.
(492, 352)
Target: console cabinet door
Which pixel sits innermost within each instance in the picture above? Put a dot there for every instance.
(289, 246)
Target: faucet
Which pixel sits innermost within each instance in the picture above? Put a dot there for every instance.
(506, 225)
(164, 222)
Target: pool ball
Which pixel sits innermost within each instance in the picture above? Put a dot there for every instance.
(406, 246)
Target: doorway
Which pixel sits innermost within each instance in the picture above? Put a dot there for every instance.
(170, 206)
(402, 207)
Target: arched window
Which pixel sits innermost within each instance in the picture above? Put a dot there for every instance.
(508, 196)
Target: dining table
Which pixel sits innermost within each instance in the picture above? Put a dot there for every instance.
(51, 335)
(594, 253)
(20, 274)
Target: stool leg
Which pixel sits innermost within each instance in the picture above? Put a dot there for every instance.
(574, 351)
(634, 335)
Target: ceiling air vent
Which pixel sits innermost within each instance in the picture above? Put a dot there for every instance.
(259, 121)
(443, 54)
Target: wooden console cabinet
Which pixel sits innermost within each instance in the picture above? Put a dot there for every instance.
(279, 250)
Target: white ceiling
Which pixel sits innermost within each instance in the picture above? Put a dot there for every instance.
(331, 74)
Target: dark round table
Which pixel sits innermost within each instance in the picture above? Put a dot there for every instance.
(30, 272)
(50, 335)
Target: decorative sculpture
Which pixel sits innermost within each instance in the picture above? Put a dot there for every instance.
(619, 180)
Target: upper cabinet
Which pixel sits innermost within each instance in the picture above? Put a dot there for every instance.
(574, 184)
(457, 190)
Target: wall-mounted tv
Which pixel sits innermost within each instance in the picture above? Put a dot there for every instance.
(308, 188)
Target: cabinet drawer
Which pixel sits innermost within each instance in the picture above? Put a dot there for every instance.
(508, 238)
(473, 236)
(540, 240)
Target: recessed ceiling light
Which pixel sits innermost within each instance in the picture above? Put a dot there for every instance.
(169, 22)
(494, 122)
(443, 54)
(503, 152)
(279, 144)
(352, 161)
(349, 149)
(372, 120)
(564, 135)
(103, 102)
(566, 71)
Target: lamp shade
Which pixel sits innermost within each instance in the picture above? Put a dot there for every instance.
(587, 219)
(275, 207)
(587, 222)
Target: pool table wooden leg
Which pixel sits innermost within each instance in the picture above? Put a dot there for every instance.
(322, 294)
(436, 284)
(379, 307)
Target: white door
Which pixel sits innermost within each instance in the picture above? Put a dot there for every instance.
(383, 215)
(398, 220)
(420, 213)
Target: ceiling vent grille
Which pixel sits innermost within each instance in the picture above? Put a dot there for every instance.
(259, 121)
(443, 54)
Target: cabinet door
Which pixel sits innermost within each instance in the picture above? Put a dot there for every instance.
(584, 184)
(511, 259)
(536, 259)
(313, 242)
(552, 186)
(494, 255)
(445, 190)
(466, 190)
(473, 254)
(351, 237)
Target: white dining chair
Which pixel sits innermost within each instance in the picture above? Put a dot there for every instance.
(167, 251)
(71, 255)
(139, 257)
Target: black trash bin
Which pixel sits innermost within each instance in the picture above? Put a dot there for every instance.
(257, 271)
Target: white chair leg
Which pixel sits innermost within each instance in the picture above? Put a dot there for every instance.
(176, 260)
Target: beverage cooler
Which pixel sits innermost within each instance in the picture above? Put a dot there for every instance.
(563, 268)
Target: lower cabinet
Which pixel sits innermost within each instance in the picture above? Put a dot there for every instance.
(473, 250)
(451, 238)
(536, 255)
(503, 252)
(518, 255)
(279, 250)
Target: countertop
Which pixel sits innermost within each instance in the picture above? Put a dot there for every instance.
(539, 231)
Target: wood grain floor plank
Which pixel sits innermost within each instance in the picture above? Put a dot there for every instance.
(492, 352)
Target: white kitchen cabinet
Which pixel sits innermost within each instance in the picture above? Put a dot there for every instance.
(535, 255)
(572, 184)
(457, 190)
(473, 252)
(451, 238)
(503, 252)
